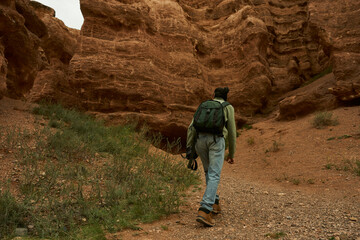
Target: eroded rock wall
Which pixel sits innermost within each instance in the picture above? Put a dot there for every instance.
(3, 72)
(151, 60)
(157, 60)
(58, 46)
(19, 48)
(136, 60)
(338, 23)
(336, 27)
(35, 51)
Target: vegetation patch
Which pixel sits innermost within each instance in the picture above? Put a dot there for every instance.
(79, 178)
(324, 119)
(348, 165)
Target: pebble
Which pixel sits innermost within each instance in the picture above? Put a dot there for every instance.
(353, 219)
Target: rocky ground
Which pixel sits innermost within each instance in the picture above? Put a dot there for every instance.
(280, 186)
(289, 181)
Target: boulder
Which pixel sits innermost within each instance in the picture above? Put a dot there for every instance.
(308, 99)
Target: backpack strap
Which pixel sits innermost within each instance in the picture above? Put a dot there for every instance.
(224, 105)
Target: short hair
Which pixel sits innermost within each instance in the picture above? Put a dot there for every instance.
(221, 92)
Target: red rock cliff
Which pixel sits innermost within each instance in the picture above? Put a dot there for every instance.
(155, 61)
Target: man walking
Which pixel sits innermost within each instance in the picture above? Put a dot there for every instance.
(210, 146)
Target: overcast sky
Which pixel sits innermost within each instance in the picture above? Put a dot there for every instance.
(66, 10)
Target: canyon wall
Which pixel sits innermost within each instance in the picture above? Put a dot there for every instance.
(154, 61)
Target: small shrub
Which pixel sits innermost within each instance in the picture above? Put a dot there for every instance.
(295, 181)
(311, 181)
(250, 141)
(329, 166)
(164, 227)
(274, 148)
(323, 119)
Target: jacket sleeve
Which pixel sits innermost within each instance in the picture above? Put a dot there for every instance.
(191, 133)
(231, 127)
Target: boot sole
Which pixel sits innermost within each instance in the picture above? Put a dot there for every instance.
(203, 221)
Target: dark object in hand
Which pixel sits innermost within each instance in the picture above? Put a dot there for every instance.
(191, 155)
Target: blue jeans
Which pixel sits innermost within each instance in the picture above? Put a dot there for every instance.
(211, 154)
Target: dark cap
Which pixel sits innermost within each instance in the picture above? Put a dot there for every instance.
(221, 93)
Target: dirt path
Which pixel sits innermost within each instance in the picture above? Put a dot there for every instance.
(251, 211)
(289, 193)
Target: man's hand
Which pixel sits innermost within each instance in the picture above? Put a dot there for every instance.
(230, 160)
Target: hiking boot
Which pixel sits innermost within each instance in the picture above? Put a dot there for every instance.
(204, 217)
(216, 207)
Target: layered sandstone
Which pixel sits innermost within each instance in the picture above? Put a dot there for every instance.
(157, 60)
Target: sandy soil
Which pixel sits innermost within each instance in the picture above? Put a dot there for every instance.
(279, 184)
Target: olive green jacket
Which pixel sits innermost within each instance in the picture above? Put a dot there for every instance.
(229, 131)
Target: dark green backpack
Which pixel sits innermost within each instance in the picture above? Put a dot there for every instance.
(210, 118)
